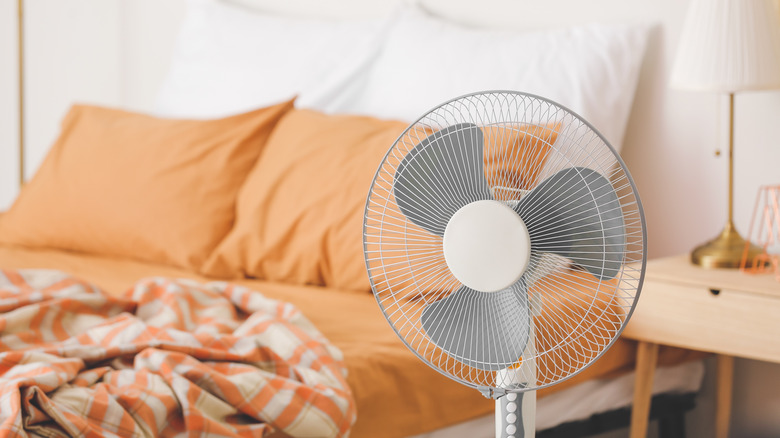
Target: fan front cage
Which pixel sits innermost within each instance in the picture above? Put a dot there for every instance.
(574, 315)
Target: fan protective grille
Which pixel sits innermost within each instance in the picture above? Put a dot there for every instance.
(574, 316)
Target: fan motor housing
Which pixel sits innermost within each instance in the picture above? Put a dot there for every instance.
(487, 246)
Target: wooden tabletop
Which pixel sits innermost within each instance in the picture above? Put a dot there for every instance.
(680, 270)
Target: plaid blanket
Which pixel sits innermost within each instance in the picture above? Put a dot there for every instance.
(170, 357)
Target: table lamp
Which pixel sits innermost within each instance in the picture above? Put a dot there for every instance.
(728, 46)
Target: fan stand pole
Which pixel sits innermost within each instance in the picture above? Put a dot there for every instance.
(511, 425)
(516, 411)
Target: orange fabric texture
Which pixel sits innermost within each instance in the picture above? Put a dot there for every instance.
(300, 212)
(124, 184)
(396, 394)
(167, 358)
(580, 320)
(515, 155)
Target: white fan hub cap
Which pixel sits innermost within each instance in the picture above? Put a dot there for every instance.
(486, 246)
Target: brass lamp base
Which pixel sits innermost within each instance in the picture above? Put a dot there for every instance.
(725, 251)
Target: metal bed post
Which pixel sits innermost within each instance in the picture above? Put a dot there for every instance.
(20, 39)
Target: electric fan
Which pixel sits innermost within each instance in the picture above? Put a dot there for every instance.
(505, 243)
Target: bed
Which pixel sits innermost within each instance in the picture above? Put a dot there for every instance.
(344, 109)
(396, 395)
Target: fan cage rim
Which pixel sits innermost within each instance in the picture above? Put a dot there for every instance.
(491, 391)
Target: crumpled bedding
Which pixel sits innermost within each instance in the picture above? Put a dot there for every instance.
(167, 358)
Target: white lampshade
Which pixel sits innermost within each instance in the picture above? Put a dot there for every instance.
(729, 46)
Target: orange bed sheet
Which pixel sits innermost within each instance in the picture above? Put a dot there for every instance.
(396, 394)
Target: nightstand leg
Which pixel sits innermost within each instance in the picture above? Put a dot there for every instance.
(646, 358)
(725, 372)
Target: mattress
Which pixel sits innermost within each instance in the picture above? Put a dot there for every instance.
(396, 394)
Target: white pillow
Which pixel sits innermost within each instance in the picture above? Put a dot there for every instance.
(230, 59)
(592, 69)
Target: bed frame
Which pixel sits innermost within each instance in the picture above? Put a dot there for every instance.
(20, 78)
(668, 409)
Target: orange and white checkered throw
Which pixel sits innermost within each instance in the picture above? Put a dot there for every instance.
(170, 357)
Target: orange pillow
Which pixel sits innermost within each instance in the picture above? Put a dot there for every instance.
(300, 212)
(123, 184)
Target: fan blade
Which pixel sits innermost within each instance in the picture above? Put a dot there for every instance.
(440, 175)
(484, 330)
(577, 214)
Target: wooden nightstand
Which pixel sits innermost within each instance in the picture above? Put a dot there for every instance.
(720, 311)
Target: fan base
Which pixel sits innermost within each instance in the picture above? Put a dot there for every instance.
(725, 251)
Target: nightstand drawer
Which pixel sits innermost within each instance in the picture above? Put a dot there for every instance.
(728, 322)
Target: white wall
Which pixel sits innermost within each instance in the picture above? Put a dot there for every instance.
(72, 54)
(115, 52)
(148, 30)
(8, 104)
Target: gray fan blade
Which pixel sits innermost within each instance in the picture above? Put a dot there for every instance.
(577, 214)
(440, 175)
(485, 330)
